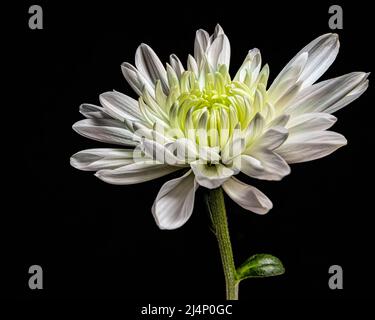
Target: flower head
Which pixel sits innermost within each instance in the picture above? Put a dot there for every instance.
(214, 126)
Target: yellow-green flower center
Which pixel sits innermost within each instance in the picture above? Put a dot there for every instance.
(206, 109)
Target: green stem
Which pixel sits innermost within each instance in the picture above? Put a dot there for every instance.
(216, 207)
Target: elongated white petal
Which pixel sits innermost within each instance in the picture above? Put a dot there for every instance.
(284, 84)
(329, 95)
(232, 149)
(274, 167)
(120, 106)
(174, 203)
(307, 146)
(202, 41)
(250, 166)
(316, 121)
(210, 176)
(321, 52)
(281, 121)
(254, 129)
(250, 66)
(136, 80)
(105, 130)
(176, 65)
(224, 57)
(105, 158)
(148, 63)
(192, 65)
(272, 138)
(135, 173)
(91, 111)
(350, 97)
(248, 197)
(214, 51)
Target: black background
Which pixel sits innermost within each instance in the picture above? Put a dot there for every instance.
(96, 240)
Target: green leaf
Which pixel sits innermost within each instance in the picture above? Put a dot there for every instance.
(260, 266)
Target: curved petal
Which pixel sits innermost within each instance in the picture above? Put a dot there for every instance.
(136, 80)
(202, 41)
(214, 51)
(176, 65)
(250, 66)
(248, 197)
(321, 52)
(315, 121)
(271, 166)
(287, 84)
(91, 111)
(210, 176)
(351, 96)
(224, 57)
(330, 95)
(120, 106)
(135, 173)
(307, 146)
(149, 64)
(192, 65)
(272, 138)
(105, 158)
(105, 130)
(174, 203)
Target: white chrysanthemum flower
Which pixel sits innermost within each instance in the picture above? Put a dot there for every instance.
(201, 119)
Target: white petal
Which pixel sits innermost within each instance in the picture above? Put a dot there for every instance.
(224, 57)
(210, 176)
(174, 203)
(176, 65)
(248, 197)
(232, 149)
(148, 63)
(327, 96)
(135, 173)
(272, 138)
(192, 65)
(214, 51)
(287, 79)
(351, 96)
(105, 130)
(106, 158)
(91, 111)
(251, 65)
(317, 121)
(321, 53)
(136, 80)
(281, 120)
(202, 41)
(120, 106)
(255, 128)
(307, 146)
(250, 166)
(274, 166)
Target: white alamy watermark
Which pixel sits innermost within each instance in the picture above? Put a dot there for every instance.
(174, 148)
(336, 19)
(36, 279)
(36, 17)
(336, 279)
